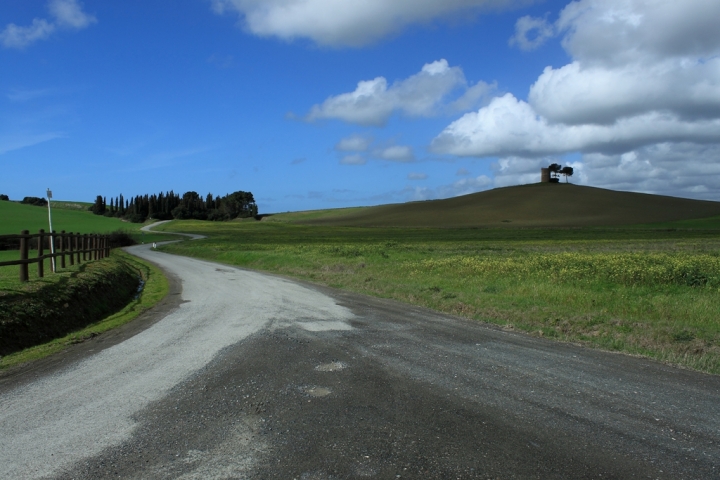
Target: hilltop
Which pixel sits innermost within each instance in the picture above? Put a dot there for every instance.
(534, 205)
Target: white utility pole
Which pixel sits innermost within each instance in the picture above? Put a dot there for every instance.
(52, 240)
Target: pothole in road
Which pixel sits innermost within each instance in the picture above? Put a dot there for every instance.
(318, 391)
(331, 367)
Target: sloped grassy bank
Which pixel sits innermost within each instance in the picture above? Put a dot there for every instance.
(47, 309)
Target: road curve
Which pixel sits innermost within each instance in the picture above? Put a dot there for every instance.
(254, 376)
(51, 422)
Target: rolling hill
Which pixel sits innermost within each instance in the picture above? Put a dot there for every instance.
(68, 216)
(534, 205)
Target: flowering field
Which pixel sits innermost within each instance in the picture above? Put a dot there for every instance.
(648, 292)
(651, 268)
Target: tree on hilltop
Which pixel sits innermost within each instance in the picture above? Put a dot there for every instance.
(554, 170)
(567, 171)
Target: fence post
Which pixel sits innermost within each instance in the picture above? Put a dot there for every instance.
(63, 243)
(94, 247)
(107, 243)
(78, 248)
(84, 246)
(69, 242)
(24, 244)
(41, 261)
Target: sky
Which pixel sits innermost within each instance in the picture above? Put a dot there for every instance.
(313, 104)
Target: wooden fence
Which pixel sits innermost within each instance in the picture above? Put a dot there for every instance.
(73, 246)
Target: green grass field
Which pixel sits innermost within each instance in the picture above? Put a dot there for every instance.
(647, 291)
(15, 217)
(68, 216)
(534, 258)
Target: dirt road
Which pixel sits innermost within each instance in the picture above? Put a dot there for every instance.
(253, 376)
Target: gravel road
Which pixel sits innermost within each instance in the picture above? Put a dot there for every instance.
(246, 375)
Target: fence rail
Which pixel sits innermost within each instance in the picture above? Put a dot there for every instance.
(73, 246)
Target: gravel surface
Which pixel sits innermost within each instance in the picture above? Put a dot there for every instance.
(88, 406)
(254, 376)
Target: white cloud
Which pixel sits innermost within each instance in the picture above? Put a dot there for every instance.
(465, 186)
(644, 80)
(531, 32)
(373, 101)
(417, 176)
(613, 32)
(472, 97)
(354, 159)
(396, 153)
(67, 13)
(18, 37)
(576, 94)
(519, 171)
(354, 143)
(510, 127)
(683, 170)
(339, 23)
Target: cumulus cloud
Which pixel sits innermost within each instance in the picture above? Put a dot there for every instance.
(631, 58)
(511, 127)
(67, 14)
(531, 32)
(340, 23)
(517, 170)
(374, 101)
(465, 186)
(354, 143)
(683, 170)
(472, 97)
(613, 32)
(396, 153)
(644, 74)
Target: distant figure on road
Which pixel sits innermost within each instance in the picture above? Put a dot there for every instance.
(154, 245)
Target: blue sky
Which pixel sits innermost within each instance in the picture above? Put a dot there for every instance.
(332, 103)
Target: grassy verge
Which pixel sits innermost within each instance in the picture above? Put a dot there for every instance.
(650, 292)
(155, 288)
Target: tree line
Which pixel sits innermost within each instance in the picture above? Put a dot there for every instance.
(170, 205)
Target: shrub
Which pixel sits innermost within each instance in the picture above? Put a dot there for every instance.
(37, 201)
(120, 238)
(135, 218)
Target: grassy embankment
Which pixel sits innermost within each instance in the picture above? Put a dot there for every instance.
(71, 216)
(154, 289)
(645, 290)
